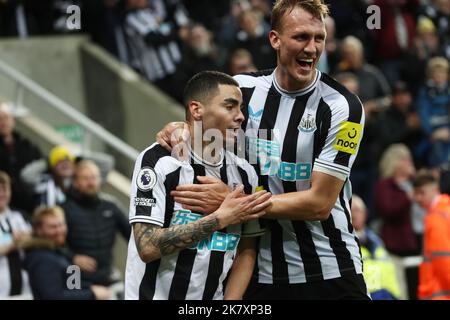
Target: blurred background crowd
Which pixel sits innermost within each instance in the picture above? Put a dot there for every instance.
(400, 72)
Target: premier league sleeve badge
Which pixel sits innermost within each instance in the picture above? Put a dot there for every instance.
(146, 179)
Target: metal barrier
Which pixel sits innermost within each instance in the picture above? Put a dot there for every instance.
(92, 129)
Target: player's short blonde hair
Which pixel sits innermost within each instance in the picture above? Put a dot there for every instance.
(282, 7)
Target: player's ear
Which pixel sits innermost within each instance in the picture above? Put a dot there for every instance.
(196, 110)
(274, 39)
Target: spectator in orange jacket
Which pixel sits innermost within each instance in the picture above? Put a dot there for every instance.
(434, 272)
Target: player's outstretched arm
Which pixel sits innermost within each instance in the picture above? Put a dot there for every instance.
(153, 241)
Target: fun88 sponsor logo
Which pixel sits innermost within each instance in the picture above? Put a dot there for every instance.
(294, 171)
(268, 155)
(218, 241)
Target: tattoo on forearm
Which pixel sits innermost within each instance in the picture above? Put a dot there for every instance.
(174, 238)
(145, 235)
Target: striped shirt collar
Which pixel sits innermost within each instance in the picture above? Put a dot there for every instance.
(299, 92)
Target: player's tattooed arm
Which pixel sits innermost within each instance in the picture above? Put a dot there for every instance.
(153, 241)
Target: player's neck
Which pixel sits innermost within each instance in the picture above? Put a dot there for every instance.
(212, 152)
(288, 84)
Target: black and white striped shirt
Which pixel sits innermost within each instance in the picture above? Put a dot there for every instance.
(49, 193)
(196, 272)
(153, 49)
(315, 129)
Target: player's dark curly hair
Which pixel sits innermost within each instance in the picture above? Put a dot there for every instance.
(205, 85)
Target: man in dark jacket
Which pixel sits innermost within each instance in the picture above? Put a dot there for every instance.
(48, 264)
(93, 222)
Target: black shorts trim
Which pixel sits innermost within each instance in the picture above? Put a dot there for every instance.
(348, 287)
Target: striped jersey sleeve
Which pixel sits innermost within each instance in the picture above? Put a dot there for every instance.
(148, 191)
(346, 120)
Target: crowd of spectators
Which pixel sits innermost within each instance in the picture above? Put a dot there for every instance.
(53, 216)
